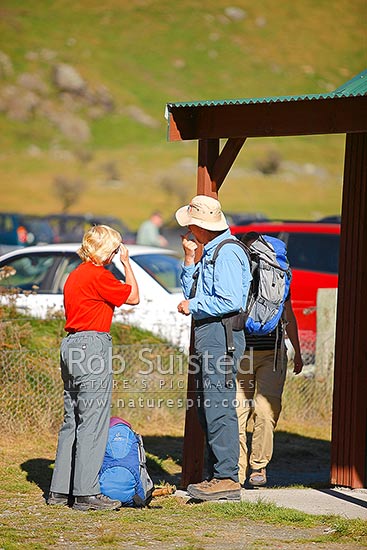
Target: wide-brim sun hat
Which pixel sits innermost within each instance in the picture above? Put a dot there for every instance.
(203, 211)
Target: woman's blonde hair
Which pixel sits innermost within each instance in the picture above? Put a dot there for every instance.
(99, 242)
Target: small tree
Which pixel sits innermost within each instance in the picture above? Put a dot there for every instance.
(270, 164)
(68, 191)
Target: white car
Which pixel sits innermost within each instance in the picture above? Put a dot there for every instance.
(40, 273)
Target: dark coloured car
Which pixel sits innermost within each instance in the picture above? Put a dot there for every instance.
(70, 228)
(19, 230)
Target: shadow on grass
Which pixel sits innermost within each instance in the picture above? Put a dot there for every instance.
(39, 471)
(164, 460)
(297, 460)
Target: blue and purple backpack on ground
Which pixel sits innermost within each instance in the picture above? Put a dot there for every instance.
(124, 475)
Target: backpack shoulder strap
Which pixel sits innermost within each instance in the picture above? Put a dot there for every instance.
(232, 241)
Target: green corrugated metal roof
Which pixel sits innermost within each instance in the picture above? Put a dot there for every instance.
(353, 88)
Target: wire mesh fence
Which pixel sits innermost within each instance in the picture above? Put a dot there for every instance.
(149, 389)
(149, 385)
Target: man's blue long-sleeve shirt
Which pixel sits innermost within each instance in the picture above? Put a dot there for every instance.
(221, 288)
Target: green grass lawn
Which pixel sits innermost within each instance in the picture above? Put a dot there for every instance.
(26, 463)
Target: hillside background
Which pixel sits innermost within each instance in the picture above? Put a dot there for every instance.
(84, 84)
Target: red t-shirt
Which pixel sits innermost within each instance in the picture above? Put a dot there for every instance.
(91, 293)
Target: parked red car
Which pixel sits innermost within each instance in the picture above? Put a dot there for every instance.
(313, 253)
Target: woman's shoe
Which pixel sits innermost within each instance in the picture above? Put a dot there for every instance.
(96, 502)
(57, 499)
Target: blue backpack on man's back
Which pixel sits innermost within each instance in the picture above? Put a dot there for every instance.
(271, 279)
(123, 475)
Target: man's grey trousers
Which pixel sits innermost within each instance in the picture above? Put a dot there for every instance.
(216, 400)
(86, 370)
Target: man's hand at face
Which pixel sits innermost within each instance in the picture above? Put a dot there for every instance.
(189, 248)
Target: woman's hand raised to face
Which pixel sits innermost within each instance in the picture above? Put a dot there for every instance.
(124, 254)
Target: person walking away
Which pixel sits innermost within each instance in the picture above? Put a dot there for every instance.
(215, 295)
(149, 231)
(91, 294)
(260, 384)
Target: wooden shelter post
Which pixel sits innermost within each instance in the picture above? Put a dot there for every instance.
(349, 427)
(208, 153)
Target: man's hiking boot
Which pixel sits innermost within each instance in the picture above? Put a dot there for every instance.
(258, 478)
(57, 499)
(96, 502)
(215, 489)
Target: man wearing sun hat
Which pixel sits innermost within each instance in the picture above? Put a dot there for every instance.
(215, 294)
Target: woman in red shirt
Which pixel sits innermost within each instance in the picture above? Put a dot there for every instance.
(91, 294)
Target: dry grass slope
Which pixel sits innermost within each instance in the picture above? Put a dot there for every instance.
(145, 54)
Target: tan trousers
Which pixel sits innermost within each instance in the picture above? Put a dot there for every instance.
(259, 392)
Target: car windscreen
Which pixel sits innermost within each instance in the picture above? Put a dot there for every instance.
(164, 268)
(29, 272)
(314, 251)
(39, 272)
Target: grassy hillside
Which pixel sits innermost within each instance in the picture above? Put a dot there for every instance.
(145, 53)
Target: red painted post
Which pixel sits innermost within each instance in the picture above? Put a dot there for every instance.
(349, 428)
